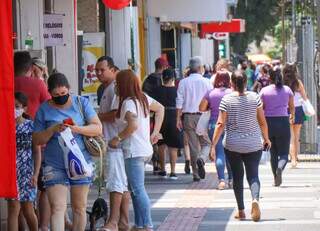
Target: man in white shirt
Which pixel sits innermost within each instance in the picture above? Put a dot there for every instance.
(191, 90)
(116, 176)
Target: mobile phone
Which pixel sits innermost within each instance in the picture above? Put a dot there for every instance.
(68, 121)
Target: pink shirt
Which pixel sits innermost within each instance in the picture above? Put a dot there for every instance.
(36, 91)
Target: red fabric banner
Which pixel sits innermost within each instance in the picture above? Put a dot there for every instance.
(116, 4)
(8, 186)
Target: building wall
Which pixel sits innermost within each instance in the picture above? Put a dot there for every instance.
(88, 15)
(203, 48)
(66, 56)
(154, 42)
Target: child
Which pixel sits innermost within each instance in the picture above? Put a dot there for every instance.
(27, 169)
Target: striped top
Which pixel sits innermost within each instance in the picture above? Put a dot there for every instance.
(242, 132)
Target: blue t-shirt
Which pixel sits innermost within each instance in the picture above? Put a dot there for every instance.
(48, 116)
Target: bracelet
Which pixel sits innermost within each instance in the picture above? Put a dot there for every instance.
(118, 138)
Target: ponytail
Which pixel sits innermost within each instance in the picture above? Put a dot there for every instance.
(276, 78)
(239, 79)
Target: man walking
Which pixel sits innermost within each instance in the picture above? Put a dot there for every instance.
(153, 81)
(116, 176)
(150, 85)
(190, 93)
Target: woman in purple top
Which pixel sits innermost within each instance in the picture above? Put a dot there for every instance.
(276, 99)
(211, 101)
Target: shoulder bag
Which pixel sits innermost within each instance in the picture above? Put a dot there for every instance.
(95, 145)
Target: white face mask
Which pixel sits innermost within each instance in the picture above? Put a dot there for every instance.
(18, 112)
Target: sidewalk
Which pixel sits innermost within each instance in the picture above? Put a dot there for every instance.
(184, 205)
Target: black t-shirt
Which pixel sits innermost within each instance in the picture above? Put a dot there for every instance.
(166, 96)
(151, 84)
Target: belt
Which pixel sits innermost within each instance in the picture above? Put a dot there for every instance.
(192, 113)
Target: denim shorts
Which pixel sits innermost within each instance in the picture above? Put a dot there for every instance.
(299, 115)
(53, 176)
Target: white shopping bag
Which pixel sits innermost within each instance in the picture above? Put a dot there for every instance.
(307, 107)
(76, 165)
(203, 124)
(265, 158)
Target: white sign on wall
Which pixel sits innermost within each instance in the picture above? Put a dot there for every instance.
(188, 10)
(53, 30)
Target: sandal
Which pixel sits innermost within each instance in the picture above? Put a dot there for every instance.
(123, 228)
(255, 211)
(221, 185)
(240, 215)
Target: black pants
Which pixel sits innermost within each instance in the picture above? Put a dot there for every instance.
(279, 135)
(251, 164)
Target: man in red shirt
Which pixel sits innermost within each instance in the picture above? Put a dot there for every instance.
(35, 89)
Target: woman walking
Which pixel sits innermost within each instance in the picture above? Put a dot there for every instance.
(291, 79)
(276, 112)
(212, 101)
(48, 125)
(172, 137)
(241, 113)
(134, 138)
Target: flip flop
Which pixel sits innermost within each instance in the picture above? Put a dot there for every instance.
(103, 229)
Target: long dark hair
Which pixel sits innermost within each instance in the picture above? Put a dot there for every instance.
(129, 86)
(276, 78)
(291, 76)
(239, 79)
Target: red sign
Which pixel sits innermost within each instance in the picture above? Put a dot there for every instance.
(233, 26)
(116, 4)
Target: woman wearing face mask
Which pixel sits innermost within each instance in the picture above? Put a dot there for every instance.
(48, 125)
(28, 165)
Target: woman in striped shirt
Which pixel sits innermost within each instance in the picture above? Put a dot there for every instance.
(241, 115)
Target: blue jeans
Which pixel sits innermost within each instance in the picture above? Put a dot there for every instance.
(140, 199)
(221, 161)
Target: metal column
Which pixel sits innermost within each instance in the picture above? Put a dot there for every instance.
(309, 132)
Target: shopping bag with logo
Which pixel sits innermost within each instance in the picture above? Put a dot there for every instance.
(76, 165)
(203, 123)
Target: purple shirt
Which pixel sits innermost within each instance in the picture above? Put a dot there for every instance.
(214, 98)
(275, 101)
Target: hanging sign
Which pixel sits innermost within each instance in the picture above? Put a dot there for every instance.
(53, 30)
(116, 4)
(233, 26)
